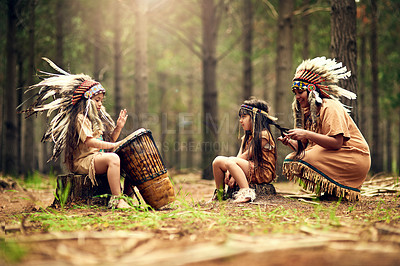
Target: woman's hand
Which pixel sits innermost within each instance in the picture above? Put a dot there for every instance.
(298, 134)
(328, 142)
(122, 119)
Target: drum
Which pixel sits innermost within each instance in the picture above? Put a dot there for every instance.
(142, 164)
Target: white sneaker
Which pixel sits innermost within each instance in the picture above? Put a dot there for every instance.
(245, 195)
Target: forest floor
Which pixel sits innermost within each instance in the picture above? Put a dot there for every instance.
(274, 230)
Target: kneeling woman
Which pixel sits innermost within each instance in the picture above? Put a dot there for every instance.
(332, 157)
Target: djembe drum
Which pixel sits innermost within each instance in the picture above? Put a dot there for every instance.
(142, 164)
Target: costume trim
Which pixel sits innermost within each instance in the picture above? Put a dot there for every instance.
(316, 181)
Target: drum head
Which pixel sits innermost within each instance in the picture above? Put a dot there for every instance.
(133, 135)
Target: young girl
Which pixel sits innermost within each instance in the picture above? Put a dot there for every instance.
(332, 157)
(82, 127)
(255, 162)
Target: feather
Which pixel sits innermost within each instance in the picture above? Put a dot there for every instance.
(55, 66)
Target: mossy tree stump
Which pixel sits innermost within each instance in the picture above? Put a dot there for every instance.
(263, 189)
(78, 189)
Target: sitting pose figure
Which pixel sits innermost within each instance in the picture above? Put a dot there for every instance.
(256, 160)
(82, 127)
(331, 156)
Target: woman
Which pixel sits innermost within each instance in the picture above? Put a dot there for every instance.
(331, 155)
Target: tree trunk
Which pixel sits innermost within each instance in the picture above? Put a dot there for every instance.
(60, 36)
(9, 138)
(177, 146)
(376, 154)
(96, 22)
(210, 93)
(284, 72)
(78, 189)
(60, 6)
(141, 86)
(247, 49)
(117, 58)
(361, 90)
(189, 141)
(344, 44)
(161, 77)
(389, 145)
(305, 22)
(29, 158)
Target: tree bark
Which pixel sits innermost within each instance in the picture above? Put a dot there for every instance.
(9, 139)
(117, 58)
(210, 93)
(284, 72)
(29, 158)
(247, 49)
(389, 145)
(161, 77)
(361, 95)
(141, 86)
(376, 149)
(305, 22)
(344, 44)
(189, 141)
(96, 22)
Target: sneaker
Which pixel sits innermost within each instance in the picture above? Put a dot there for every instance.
(244, 195)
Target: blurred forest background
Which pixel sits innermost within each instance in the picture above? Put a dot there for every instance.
(183, 67)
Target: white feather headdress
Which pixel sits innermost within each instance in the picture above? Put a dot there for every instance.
(320, 76)
(59, 93)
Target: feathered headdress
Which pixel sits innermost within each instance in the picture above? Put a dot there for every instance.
(320, 77)
(61, 93)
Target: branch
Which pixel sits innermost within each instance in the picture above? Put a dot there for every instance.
(186, 41)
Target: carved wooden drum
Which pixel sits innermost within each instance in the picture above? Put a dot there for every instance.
(142, 164)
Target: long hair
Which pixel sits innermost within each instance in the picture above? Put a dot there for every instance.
(101, 122)
(260, 122)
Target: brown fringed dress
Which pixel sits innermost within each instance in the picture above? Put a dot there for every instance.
(336, 172)
(268, 163)
(84, 155)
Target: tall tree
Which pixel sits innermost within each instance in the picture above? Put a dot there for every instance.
(305, 25)
(29, 161)
(9, 138)
(247, 49)
(376, 153)
(344, 43)
(117, 58)
(284, 72)
(210, 23)
(141, 76)
(363, 64)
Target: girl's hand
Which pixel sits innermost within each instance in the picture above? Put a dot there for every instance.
(231, 182)
(227, 176)
(298, 134)
(122, 118)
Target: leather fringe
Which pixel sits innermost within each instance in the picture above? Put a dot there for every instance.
(313, 181)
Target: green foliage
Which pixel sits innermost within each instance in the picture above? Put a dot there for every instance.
(62, 193)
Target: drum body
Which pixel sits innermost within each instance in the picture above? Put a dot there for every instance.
(142, 164)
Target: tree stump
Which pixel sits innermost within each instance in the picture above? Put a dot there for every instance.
(78, 189)
(263, 189)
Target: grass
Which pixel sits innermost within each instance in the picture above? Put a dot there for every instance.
(188, 216)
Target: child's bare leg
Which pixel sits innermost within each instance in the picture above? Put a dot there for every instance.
(219, 169)
(238, 167)
(110, 163)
